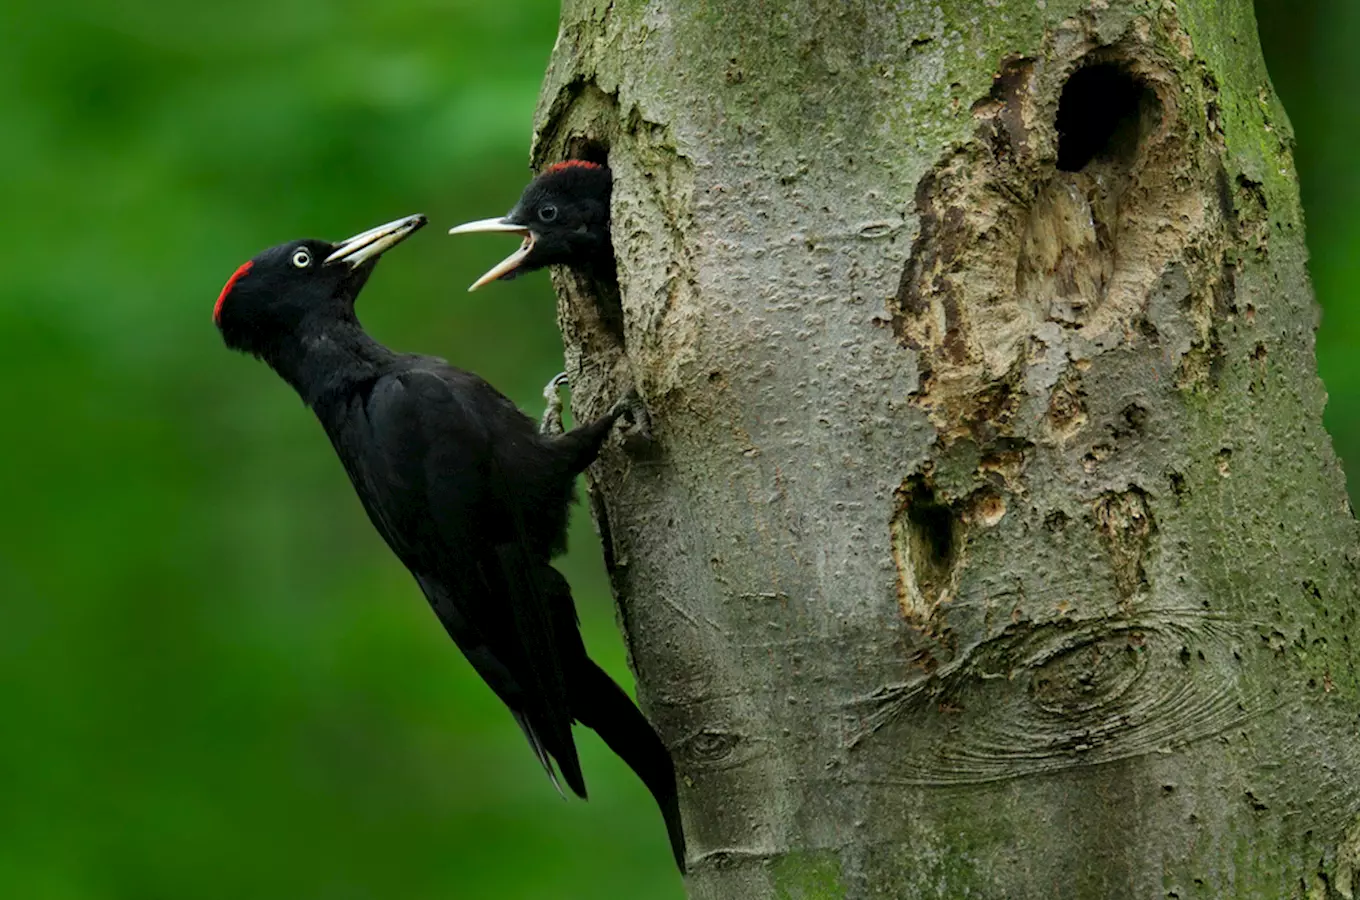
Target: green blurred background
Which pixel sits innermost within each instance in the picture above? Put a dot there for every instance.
(215, 681)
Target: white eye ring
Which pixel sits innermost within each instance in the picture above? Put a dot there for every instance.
(301, 258)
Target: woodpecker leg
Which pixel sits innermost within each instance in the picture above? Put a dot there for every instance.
(581, 445)
(551, 423)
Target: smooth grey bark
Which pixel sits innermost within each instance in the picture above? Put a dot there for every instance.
(990, 544)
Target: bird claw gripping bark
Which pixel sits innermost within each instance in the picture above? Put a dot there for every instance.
(551, 423)
(630, 413)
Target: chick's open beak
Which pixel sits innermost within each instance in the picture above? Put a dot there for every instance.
(511, 262)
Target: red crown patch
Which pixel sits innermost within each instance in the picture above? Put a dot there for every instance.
(571, 164)
(226, 289)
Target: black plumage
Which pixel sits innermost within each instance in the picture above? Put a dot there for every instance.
(465, 489)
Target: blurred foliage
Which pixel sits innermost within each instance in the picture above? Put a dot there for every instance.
(217, 682)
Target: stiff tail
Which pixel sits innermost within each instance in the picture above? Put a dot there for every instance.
(540, 751)
(598, 703)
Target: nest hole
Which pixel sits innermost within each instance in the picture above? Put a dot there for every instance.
(933, 536)
(588, 149)
(1103, 113)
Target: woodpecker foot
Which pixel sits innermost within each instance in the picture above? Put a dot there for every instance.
(551, 423)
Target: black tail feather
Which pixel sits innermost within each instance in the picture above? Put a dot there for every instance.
(540, 751)
(598, 703)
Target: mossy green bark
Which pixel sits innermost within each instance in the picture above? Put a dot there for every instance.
(990, 544)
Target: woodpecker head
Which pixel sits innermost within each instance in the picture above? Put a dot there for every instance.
(276, 292)
(563, 216)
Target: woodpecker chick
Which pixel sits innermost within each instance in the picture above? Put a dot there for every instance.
(563, 218)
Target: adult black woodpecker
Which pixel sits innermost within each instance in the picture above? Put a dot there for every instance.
(467, 491)
(563, 218)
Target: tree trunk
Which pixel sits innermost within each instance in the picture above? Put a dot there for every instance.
(989, 543)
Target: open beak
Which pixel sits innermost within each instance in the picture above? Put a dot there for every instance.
(511, 262)
(375, 242)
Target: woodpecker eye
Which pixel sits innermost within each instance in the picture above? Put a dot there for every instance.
(547, 212)
(301, 258)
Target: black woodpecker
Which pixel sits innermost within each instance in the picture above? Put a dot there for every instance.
(470, 494)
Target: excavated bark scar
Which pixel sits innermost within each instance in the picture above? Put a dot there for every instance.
(1125, 525)
(1066, 219)
(929, 535)
(926, 540)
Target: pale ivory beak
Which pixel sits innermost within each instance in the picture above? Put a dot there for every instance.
(511, 262)
(374, 242)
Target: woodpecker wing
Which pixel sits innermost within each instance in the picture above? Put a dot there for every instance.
(418, 447)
